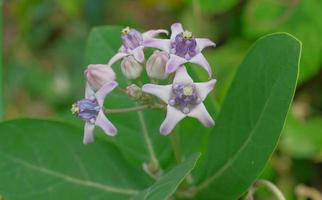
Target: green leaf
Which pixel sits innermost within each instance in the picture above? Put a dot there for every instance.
(103, 43)
(300, 18)
(42, 159)
(168, 184)
(252, 117)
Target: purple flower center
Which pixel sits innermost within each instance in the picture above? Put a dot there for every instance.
(86, 109)
(131, 38)
(184, 97)
(184, 45)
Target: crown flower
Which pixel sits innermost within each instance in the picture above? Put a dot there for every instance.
(132, 44)
(182, 48)
(183, 98)
(90, 110)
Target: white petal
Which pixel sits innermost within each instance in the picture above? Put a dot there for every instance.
(105, 124)
(204, 88)
(176, 28)
(163, 44)
(174, 63)
(153, 33)
(138, 54)
(88, 133)
(161, 91)
(200, 112)
(173, 117)
(116, 57)
(182, 76)
(104, 90)
(199, 59)
(89, 92)
(203, 43)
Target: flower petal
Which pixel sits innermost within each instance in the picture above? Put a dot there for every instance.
(204, 88)
(174, 63)
(104, 90)
(199, 59)
(153, 33)
(163, 44)
(105, 124)
(203, 43)
(138, 54)
(88, 133)
(176, 28)
(161, 91)
(182, 76)
(173, 117)
(200, 112)
(116, 57)
(89, 92)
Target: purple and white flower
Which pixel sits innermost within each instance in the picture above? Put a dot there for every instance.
(132, 44)
(182, 48)
(90, 109)
(184, 98)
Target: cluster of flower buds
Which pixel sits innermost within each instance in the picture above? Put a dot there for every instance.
(182, 98)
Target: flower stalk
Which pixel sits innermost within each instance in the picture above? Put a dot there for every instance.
(267, 184)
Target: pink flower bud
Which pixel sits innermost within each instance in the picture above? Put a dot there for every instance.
(131, 68)
(155, 66)
(98, 74)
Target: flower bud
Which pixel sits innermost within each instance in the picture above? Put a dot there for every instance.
(131, 68)
(155, 66)
(134, 91)
(98, 74)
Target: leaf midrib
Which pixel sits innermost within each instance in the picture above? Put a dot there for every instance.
(208, 181)
(64, 177)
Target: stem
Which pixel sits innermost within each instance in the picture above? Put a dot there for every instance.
(1, 66)
(123, 110)
(270, 186)
(148, 142)
(175, 147)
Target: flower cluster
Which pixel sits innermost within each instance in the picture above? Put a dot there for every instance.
(182, 98)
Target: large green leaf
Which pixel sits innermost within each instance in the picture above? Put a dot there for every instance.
(252, 117)
(42, 159)
(103, 43)
(167, 184)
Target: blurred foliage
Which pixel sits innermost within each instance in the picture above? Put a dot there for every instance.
(44, 45)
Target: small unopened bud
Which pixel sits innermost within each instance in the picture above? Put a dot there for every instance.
(131, 68)
(155, 66)
(98, 74)
(134, 91)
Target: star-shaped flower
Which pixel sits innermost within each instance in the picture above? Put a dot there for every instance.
(182, 48)
(132, 44)
(184, 98)
(90, 110)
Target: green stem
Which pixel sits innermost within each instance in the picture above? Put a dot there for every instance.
(123, 110)
(270, 186)
(175, 147)
(1, 66)
(148, 142)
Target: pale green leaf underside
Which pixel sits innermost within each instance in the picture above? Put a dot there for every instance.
(42, 159)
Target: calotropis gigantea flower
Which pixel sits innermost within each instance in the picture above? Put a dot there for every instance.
(184, 98)
(90, 110)
(98, 74)
(182, 48)
(132, 44)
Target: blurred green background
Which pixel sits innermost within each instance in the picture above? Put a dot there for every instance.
(44, 43)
